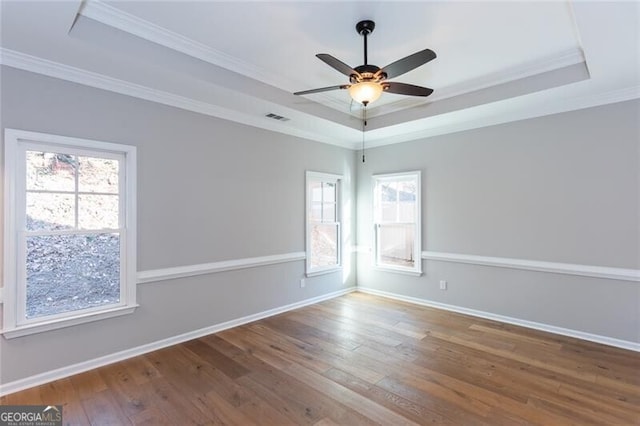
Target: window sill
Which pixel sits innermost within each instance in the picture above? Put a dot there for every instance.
(25, 330)
(411, 272)
(323, 272)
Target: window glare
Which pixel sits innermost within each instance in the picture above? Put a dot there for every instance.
(316, 191)
(323, 223)
(315, 211)
(329, 212)
(324, 245)
(396, 245)
(328, 192)
(396, 204)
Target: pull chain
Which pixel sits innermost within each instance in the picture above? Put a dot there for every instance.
(364, 124)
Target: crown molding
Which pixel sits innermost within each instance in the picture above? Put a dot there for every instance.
(550, 63)
(123, 21)
(554, 62)
(131, 24)
(19, 60)
(23, 61)
(545, 108)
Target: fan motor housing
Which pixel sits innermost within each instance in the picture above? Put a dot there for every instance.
(367, 72)
(365, 27)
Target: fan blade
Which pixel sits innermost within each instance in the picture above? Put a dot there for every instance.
(408, 63)
(407, 89)
(322, 89)
(336, 64)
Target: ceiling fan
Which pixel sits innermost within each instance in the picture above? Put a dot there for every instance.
(367, 82)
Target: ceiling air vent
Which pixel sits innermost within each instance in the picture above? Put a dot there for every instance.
(277, 117)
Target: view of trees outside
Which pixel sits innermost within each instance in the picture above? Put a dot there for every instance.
(72, 244)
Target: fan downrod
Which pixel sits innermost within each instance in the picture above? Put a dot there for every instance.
(365, 27)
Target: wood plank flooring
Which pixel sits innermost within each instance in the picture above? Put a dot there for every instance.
(359, 360)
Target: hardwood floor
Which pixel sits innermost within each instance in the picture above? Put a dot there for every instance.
(359, 359)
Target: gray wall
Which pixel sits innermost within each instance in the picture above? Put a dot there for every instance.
(208, 190)
(562, 188)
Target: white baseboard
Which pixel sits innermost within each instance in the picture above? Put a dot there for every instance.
(624, 344)
(81, 367)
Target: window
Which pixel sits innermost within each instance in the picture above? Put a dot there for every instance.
(397, 222)
(323, 223)
(69, 231)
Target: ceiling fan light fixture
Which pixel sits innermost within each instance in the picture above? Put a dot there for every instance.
(367, 81)
(365, 92)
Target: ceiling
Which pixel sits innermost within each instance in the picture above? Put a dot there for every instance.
(496, 61)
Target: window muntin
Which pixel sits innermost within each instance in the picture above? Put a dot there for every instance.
(72, 233)
(323, 223)
(69, 233)
(397, 222)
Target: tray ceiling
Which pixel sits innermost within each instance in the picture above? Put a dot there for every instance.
(497, 61)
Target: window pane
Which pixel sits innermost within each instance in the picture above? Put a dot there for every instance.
(315, 212)
(324, 245)
(407, 190)
(389, 212)
(407, 212)
(395, 245)
(329, 212)
(71, 272)
(388, 198)
(50, 171)
(98, 211)
(388, 192)
(315, 191)
(50, 211)
(328, 192)
(97, 175)
(406, 201)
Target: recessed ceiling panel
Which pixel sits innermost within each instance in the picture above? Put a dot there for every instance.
(276, 42)
(496, 61)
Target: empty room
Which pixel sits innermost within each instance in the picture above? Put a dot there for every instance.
(320, 213)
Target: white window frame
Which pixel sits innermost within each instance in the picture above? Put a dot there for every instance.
(17, 142)
(328, 178)
(417, 240)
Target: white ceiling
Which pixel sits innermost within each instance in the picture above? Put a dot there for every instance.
(497, 61)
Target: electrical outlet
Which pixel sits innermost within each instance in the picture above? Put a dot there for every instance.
(443, 285)
(303, 283)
